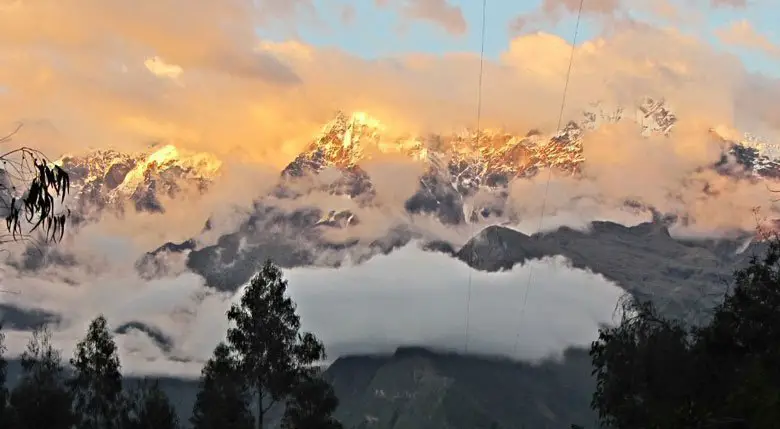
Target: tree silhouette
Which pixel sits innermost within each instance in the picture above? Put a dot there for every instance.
(223, 399)
(272, 353)
(654, 372)
(97, 380)
(150, 408)
(31, 188)
(311, 405)
(42, 387)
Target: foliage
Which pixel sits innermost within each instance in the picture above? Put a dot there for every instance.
(223, 400)
(272, 353)
(150, 408)
(653, 372)
(42, 387)
(97, 382)
(266, 355)
(311, 405)
(34, 200)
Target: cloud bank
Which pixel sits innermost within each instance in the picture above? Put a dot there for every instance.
(409, 297)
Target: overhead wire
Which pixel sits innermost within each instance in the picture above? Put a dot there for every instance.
(478, 136)
(549, 169)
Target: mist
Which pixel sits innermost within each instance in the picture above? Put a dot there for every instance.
(407, 298)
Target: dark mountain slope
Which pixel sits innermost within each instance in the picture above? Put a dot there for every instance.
(416, 388)
(679, 275)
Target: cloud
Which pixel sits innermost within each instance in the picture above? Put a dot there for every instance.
(409, 297)
(234, 93)
(682, 12)
(347, 15)
(665, 173)
(437, 12)
(742, 34)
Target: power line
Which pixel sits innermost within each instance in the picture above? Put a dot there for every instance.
(549, 169)
(479, 120)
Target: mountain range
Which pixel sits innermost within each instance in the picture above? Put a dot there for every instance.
(416, 388)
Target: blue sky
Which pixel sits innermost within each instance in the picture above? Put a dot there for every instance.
(375, 32)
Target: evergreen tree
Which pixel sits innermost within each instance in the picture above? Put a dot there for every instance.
(272, 353)
(150, 408)
(41, 399)
(4, 410)
(311, 405)
(97, 382)
(222, 401)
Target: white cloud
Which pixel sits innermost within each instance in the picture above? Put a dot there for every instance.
(409, 297)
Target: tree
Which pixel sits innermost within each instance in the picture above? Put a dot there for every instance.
(3, 380)
(272, 353)
(42, 387)
(648, 356)
(654, 372)
(222, 401)
(311, 405)
(29, 189)
(97, 381)
(150, 408)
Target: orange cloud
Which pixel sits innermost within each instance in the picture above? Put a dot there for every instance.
(743, 34)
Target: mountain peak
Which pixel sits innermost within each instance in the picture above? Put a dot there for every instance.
(200, 165)
(109, 178)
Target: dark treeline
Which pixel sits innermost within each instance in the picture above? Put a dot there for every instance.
(266, 361)
(655, 372)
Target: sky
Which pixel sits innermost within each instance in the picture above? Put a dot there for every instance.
(371, 31)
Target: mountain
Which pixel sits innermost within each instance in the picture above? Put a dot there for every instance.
(416, 388)
(419, 389)
(289, 227)
(457, 167)
(682, 276)
(111, 180)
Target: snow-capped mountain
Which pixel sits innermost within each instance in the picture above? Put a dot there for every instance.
(108, 179)
(457, 167)
(759, 157)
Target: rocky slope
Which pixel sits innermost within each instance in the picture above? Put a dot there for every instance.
(111, 180)
(682, 276)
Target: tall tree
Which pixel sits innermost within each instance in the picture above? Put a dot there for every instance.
(30, 188)
(150, 408)
(4, 417)
(42, 387)
(655, 372)
(97, 381)
(311, 405)
(223, 399)
(266, 339)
